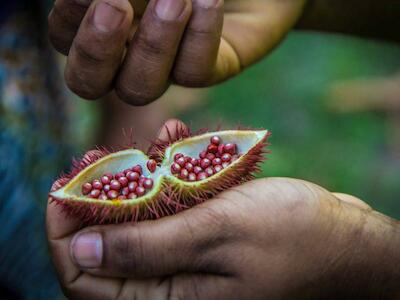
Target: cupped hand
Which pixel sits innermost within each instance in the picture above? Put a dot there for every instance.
(274, 238)
(138, 49)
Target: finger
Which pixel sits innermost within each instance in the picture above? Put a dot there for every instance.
(196, 62)
(145, 72)
(78, 285)
(352, 200)
(250, 35)
(187, 242)
(59, 228)
(97, 50)
(173, 130)
(64, 20)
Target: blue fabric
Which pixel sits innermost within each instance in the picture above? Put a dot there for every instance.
(32, 153)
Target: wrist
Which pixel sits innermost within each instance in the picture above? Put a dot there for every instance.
(381, 258)
(369, 265)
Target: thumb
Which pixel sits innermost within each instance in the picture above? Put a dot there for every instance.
(177, 244)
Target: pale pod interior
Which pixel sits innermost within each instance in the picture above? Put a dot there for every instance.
(116, 177)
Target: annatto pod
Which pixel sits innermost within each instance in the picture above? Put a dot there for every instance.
(128, 185)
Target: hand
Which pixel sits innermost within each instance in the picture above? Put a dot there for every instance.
(138, 52)
(271, 238)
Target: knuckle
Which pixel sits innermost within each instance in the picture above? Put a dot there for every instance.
(191, 76)
(79, 85)
(153, 47)
(91, 55)
(127, 251)
(221, 229)
(134, 95)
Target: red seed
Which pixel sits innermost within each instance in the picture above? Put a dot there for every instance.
(148, 183)
(97, 185)
(203, 154)
(216, 140)
(230, 148)
(189, 167)
(106, 188)
(126, 171)
(119, 175)
(122, 197)
(132, 196)
(112, 194)
(103, 196)
(109, 175)
(125, 191)
(225, 164)
(216, 161)
(212, 148)
(105, 179)
(86, 188)
(123, 181)
(221, 149)
(133, 176)
(177, 156)
(210, 156)
(175, 168)
(205, 163)
(202, 176)
(226, 157)
(194, 161)
(142, 179)
(183, 174)
(235, 157)
(115, 185)
(132, 186)
(137, 169)
(95, 193)
(152, 165)
(140, 191)
(181, 161)
(218, 168)
(192, 177)
(209, 171)
(197, 170)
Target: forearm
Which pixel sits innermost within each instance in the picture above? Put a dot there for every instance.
(368, 18)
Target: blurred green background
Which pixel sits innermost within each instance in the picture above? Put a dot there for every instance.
(288, 94)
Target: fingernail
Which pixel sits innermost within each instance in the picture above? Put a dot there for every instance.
(87, 249)
(170, 9)
(107, 17)
(207, 3)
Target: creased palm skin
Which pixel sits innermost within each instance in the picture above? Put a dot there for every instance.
(275, 238)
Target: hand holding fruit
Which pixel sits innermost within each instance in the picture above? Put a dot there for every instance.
(267, 239)
(139, 51)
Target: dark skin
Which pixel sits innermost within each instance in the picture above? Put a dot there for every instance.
(273, 238)
(130, 57)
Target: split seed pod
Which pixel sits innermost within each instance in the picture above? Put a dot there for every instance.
(128, 185)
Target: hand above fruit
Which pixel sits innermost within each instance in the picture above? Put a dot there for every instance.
(270, 238)
(138, 52)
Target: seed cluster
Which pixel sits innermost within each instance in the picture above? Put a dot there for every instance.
(212, 160)
(129, 184)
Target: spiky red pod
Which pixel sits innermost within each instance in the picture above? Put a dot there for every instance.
(127, 185)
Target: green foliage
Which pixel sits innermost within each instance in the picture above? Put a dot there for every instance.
(286, 93)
